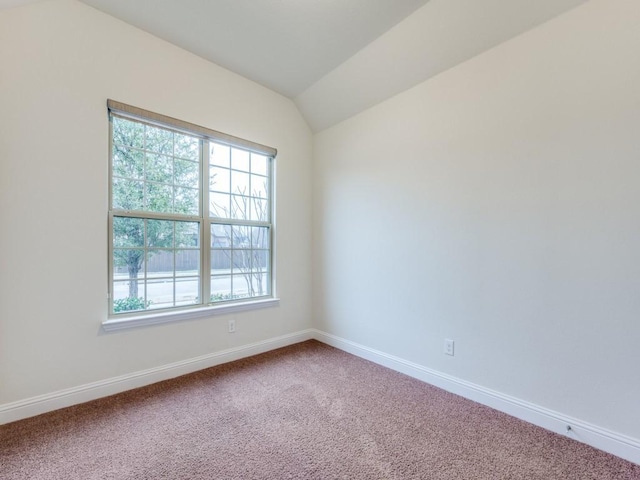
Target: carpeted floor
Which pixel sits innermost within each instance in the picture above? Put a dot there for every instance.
(303, 412)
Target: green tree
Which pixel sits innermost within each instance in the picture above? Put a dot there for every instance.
(154, 170)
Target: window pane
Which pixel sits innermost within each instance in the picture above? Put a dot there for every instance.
(158, 198)
(159, 168)
(241, 260)
(159, 263)
(127, 133)
(219, 205)
(187, 291)
(220, 262)
(128, 296)
(127, 162)
(240, 183)
(187, 147)
(239, 207)
(187, 234)
(259, 164)
(260, 260)
(124, 289)
(220, 236)
(220, 288)
(260, 237)
(160, 293)
(258, 186)
(159, 233)
(239, 159)
(127, 194)
(241, 236)
(128, 263)
(128, 232)
(260, 285)
(220, 155)
(158, 140)
(186, 173)
(259, 210)
(187, 263)
(170, 184)
(220, 179)
(186, 201)
(240, 284)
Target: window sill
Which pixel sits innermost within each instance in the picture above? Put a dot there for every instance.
(126, 322)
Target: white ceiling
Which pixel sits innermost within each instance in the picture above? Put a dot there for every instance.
(335, 58)
(439, 36)
(286, 45)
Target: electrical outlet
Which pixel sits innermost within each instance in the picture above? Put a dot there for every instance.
(232, 326)
(448, 346)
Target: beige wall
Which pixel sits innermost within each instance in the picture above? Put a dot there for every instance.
(498, 205)
(60, 61)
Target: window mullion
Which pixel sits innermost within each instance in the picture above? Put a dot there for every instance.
(176, 217)
(174, 252)
(144, 262)
(205, 247)
(271, 208)
(110, 261)
(242, 223)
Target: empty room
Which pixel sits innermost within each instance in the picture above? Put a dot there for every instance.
(319, 239)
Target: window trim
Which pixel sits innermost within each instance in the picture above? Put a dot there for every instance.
(139, 114)
(140, 318)
(178, 314)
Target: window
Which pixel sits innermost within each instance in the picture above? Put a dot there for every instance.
(190, 221)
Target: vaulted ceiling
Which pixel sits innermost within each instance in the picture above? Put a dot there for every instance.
(334, 58)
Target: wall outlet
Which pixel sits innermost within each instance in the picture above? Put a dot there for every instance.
(232, 326)
(448, 346)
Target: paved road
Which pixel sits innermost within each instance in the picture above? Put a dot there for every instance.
(160, 291)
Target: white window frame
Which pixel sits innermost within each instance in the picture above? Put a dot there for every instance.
(118, 321)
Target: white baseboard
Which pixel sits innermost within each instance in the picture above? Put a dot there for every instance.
(30, 407)
(603, 439)
(600, 438)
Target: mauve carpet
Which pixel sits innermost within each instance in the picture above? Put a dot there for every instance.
(307, 411)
